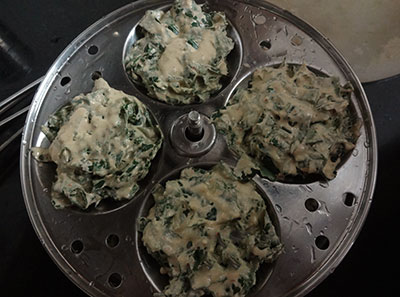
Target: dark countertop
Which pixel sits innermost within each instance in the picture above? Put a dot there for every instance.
(41, 30)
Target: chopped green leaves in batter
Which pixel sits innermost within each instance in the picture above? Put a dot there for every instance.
(292, 118)
(103, 143)
(210, 232)
(182, 56)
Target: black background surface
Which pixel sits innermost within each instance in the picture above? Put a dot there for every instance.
(44, 28)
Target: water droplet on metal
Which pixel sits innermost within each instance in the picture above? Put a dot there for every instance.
(355, 152)
(306, 188)
(278, 208)
(366, 144)
(308, 228)
(313, 256)
(259, 19)
(324, 184)
(285, 30)
(275, 18)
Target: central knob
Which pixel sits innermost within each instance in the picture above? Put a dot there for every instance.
(192, 134)
(194, 131)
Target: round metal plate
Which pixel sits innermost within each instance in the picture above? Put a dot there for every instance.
(98, 249)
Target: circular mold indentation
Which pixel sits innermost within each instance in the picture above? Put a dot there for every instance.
(151, 267)
(245, 82)
(93, 50)
(65, 81)
(234, 58)
(46, 172)
(265, 44)
(96, 75)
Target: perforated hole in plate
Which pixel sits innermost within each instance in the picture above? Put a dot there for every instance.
(112, 240)
(96, 75)
(65, 80)
(77, 246)
(115, 280)
(151, 267)
(46, 176)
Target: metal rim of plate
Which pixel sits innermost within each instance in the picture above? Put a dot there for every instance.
(99, 250)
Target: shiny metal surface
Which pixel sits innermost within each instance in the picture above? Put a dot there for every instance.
(99, 249)
(192, 134)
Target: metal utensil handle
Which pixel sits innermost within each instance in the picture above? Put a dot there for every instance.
(10, 102)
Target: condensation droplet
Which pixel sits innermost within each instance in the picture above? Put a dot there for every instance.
(324, 184)
(295, 249)
(275, 18)
(313, 256)
(278, 208)
(306, 188)
(308, 228)
(128, 238)
(46, 190)
(366, 144)
(355, 152)
(259, 19)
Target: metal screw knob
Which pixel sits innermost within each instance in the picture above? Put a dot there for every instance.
(195, 124)
(192, 134)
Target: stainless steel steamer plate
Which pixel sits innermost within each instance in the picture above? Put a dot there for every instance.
(100, 251)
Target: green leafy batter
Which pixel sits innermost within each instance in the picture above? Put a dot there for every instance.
(182, 56)
(103, 143)
(291, 121)
(210, 232)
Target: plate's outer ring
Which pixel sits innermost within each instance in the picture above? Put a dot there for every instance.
(324, 261)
